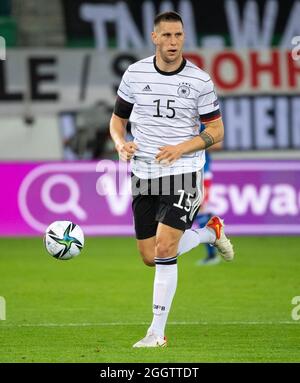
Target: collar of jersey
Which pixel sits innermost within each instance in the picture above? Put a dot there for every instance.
(179, 69)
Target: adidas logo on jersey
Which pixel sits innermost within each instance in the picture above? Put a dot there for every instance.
(147, 89)
(183, 218)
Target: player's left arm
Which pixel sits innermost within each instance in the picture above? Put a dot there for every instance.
(210, 116)
(211, 135)
(216, 147)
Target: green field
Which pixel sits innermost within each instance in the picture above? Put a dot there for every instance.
(93, 308)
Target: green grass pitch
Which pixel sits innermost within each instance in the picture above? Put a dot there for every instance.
(93, 308)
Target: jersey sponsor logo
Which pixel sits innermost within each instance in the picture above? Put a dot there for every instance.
(184, 89)
(147, 89)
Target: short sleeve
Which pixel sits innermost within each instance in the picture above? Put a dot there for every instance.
(124, 90)
(208, 104)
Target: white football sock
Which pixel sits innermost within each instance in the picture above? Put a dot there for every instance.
(165, 283)
(193, 237)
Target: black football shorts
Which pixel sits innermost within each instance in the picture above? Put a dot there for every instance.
(172, 200)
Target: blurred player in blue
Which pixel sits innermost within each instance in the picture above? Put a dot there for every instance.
(205, 211)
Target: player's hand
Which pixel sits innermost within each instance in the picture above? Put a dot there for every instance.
(126, 150)
(168, 154)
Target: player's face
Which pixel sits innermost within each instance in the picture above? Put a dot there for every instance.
(168, 38)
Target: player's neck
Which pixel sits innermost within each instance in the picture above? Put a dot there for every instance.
(164, 66)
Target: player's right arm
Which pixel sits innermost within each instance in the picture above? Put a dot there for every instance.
(117, 130)
(123, 107)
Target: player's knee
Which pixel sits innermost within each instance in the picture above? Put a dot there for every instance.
(148, 262)
(147, 252)
(147, 257)
(164, 248)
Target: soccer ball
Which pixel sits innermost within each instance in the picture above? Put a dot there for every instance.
(63, 239)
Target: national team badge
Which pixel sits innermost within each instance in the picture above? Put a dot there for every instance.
(184, 90)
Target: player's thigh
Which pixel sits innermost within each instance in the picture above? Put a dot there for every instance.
(144, 208)
(167, 240)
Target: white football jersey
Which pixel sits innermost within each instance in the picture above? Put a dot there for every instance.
(166, 111)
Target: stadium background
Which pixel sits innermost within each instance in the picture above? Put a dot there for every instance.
(58, 78)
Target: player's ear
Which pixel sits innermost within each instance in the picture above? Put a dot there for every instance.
(154, 37)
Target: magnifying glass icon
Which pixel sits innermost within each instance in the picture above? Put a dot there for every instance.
(71, 204)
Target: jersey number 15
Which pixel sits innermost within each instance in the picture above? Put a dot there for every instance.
(171, 111)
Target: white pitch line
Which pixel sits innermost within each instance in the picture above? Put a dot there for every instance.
(246, 323)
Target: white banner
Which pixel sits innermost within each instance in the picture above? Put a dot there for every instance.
(40, 81)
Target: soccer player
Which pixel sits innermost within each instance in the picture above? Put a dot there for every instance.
(164, 95)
